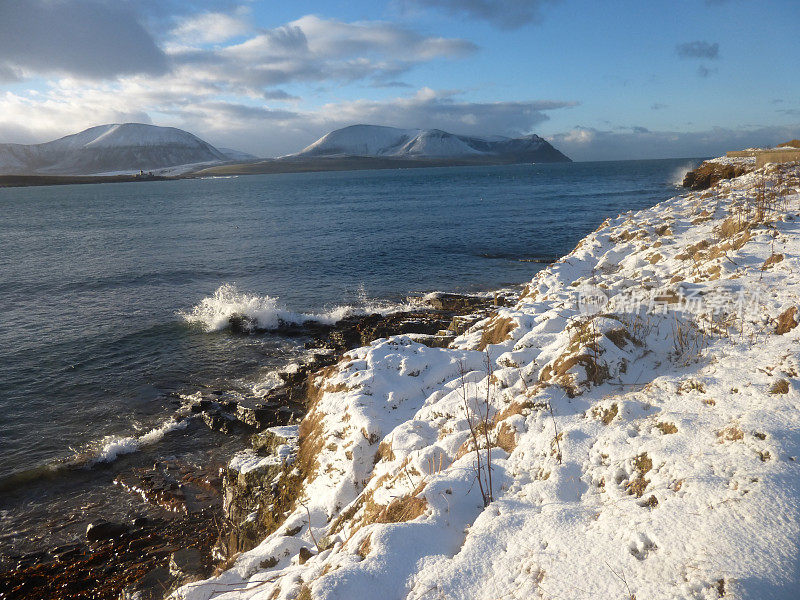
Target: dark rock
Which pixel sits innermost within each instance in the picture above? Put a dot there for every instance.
(456, 302)
(242, 324)
(104, 530)
(709, 174)
(222, 422)
(153, 586)
(186, 562)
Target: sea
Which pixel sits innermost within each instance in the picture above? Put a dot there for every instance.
(115, 299)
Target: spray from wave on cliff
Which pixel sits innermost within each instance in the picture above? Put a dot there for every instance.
(677, 176)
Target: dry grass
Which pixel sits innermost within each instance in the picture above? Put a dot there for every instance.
(642, 464)
(384, 452)
(506, 437)
(399, 510)
(786, 321)
(664, 230)
(666, 428)
(772, 260)
(304, 594)
(364, 547)
(732, 226)
(780, 387)
(496, 331)
(732, 433)
(606, 415)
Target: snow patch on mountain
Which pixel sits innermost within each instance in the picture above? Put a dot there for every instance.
(117, 147)
(380, 141)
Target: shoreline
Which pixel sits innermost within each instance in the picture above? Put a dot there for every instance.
(144, 548)
(637, 406)
(9, 181)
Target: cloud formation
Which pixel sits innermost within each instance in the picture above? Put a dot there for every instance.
(211, 27)
(256, 127)
(588, 143)
(95, 39)
(505, 14)
(698, 49)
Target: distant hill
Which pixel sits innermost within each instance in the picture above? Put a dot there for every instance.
(114, 148)
(392, 142)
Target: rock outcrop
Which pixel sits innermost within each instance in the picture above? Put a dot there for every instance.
(710, 173)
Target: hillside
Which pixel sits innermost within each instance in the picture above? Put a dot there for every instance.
(378, 141)
(113, 148)
(629, 428)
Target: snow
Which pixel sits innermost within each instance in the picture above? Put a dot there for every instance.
(641, 441)
(115, 148)
(376, 140)
(127, 134)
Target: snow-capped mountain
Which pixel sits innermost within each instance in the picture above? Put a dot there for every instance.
(379, 141)
(127, 147)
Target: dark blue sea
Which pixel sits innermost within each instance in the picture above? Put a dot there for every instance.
(113, 297)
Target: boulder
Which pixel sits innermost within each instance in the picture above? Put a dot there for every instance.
(104, 530)
(186, 562)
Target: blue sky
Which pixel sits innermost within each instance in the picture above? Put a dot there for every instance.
(600, 79)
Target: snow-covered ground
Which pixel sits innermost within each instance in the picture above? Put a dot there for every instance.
(639, 408)
(734, 160)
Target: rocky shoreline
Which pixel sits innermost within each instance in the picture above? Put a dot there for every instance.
(219, 513)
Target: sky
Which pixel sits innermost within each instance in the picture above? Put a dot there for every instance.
(600, 79)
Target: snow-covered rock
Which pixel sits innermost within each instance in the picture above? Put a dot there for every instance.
(379, 141)
(114, 148)
(639, 407)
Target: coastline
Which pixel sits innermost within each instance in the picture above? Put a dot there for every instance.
(587, 383)
(7, 181)
(623, 433)
(121, 557)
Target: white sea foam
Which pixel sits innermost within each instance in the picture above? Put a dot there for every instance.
(214, 312)
(114, 446)
(677, 176)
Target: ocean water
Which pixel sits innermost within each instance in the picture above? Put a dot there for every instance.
(114, 296)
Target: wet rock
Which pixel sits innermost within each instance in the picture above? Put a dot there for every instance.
(456, 302)
(153, 586)
(222, 421)
(256, 488)
(186, 562)
(104, 530)
(175, 486)
(268, 441)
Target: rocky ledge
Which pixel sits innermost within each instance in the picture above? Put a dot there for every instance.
(709, 173)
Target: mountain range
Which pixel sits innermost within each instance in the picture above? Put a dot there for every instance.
(378, 141)
(133, 147)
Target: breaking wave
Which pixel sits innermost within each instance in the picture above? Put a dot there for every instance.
(265, 312)
(106, 450)
(677, 176)
(111, 447)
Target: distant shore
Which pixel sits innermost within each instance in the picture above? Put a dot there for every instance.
(37, 180)
(262, 167)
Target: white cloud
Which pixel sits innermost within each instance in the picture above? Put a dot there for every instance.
(211, 28)
(587, 143)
